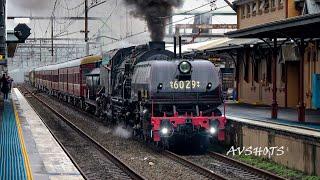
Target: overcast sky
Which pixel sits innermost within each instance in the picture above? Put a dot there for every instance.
(116, 20)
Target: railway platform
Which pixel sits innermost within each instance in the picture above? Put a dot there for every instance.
(286, 116)
(254, 128)
(27, 148)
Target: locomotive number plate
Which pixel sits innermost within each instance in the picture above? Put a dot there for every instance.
(184, 84)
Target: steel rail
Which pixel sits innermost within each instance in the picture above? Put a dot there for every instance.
(259, 172)
(119, 163)
(202, 170)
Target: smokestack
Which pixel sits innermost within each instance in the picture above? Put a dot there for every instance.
(157, 45)
(175, 46)
(156, 13)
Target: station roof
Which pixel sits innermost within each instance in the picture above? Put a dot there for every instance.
(297, 27)
(233, 44)
(200, 46)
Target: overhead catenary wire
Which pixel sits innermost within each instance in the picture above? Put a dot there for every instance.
(171, 23)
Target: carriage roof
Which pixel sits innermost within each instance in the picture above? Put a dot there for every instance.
(73, 63)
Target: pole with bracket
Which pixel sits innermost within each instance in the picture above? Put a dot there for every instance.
(86, 32)
(52, 37)
(274, 113)
(301, 106)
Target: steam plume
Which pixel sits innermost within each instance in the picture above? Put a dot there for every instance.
(154, 12)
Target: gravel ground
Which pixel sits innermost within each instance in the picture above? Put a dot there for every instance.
(227, 170)
(142, 159)
(91, 161)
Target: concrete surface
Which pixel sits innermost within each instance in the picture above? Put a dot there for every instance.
(47, 158)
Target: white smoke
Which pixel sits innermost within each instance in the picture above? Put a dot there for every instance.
(122, 132)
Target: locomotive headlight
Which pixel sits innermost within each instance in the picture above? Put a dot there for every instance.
(213, 130)
(164, 131)
(185, 67)
(214, 125)
(209, 86)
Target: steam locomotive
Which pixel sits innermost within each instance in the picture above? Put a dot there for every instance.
(163, 98)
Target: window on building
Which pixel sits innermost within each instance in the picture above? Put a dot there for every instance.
(260, 6)
(266, 5)
(242, 12)
(273, 4)
(248, 10)
(254, 8)
(280, 4)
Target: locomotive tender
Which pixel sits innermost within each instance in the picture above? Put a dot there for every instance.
(161, 97)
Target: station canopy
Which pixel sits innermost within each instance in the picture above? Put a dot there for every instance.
(306, 26)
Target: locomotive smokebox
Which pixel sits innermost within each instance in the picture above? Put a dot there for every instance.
(157, 45)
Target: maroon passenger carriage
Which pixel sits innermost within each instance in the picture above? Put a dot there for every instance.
(67, 80)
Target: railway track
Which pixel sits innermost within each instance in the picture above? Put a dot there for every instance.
(202, 170)
(238, 168)
(248, 171)
(86, 172)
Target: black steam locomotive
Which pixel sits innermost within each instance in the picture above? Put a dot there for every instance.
(160, 96)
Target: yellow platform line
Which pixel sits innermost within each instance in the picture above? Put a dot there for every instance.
(23, 147)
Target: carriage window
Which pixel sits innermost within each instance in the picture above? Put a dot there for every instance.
(89, 81)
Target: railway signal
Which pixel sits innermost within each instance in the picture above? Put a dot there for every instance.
(22, 32)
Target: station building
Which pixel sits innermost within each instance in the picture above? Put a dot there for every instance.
(254, 59)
